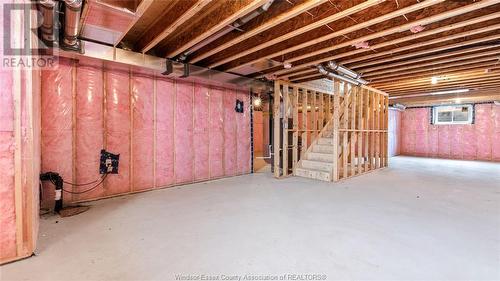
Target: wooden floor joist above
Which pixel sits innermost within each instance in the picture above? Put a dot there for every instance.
(383, 40)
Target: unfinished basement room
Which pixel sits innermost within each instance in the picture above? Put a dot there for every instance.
(250, 140)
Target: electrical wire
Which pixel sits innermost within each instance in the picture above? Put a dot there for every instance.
(85, 191)
(82, 184)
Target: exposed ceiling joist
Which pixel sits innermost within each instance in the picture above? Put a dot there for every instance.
(223, 16)
(295, 11)
(141, 9)
(432, 19)
(153, 37)
(406, 48)
(306, 28)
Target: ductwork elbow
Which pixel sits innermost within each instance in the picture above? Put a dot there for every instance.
(49, 24)
(72, 23)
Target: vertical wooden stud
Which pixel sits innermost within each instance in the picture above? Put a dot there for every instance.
(276, 129)
(336, 127)
(295, 116)
(286, 110)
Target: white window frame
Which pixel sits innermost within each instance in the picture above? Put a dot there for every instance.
(437, 109)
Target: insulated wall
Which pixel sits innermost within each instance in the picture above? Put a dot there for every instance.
(478, 141)
(394, 132)
(166, 131)
(19, 139)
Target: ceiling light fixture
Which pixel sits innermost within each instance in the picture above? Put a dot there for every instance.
(287, 65)
(434, 79)
(257, 102)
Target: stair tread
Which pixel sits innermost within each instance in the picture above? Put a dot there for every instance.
(313, 170)
(314, 160)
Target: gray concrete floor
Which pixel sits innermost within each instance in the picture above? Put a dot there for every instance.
(418, 219)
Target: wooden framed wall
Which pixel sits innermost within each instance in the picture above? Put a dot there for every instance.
(299, 115)
(360, 122)
(355, 117)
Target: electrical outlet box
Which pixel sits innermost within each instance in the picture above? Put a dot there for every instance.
(239, 106)
(109, 163)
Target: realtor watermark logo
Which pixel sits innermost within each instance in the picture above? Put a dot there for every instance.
(22, 45)
(251, 277)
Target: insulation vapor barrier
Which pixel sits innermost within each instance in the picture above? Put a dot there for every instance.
(166, 131)
(478, 141)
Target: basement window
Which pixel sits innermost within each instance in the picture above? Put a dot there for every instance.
(454, 114)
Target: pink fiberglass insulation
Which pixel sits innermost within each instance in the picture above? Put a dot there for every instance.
(456, 139)
(184, 132)
(199, 135)
(469, 148)
(421, 121)
(229, 132)
(495, 109)
(243, 138)
(444, 141)
(89, 129)
(201, 132)
(143, 130)
(484, 131)
(478, 141)
(7, 213)
(394, 132)
(165, 95)
(118, 127)
(216, 133)
(57, 120)
(433, 141)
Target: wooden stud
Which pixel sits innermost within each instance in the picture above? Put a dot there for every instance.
(336, 127)
(295, 108)
(304, 123)
(360, 132)
(286, 105)
(353, 140)
(367, 126)
(276, 129)
(345, 125)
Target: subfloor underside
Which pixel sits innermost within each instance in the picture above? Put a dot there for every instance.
(418, 219)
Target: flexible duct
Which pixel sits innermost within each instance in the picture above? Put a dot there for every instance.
(323, 71)
(72, 22)
(47, 8)
(342, 69)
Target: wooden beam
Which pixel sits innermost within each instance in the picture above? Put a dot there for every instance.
(427, 92)
(448, 81)
(306, 28)
(431, 50)
(442, 66)
(391, 42)
(225, 15)
(427, 79)
(394, 14)
(495, 52)
(295, 11)
(154, 36)
(139, 12)
(436, 71)
(401, 49)
(427, 58)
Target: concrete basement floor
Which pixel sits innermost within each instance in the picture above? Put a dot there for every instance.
(419, 219)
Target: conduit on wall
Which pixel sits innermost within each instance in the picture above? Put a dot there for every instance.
(478, 141)
(166, 131)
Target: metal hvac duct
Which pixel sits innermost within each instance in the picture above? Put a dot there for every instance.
(323, 71)
(342, 69)
(50, 23)
(72, 23)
